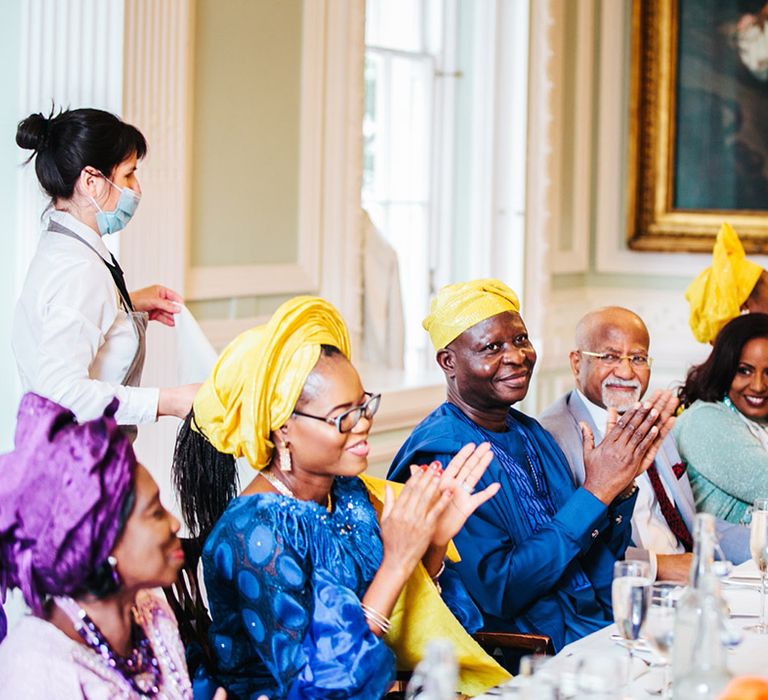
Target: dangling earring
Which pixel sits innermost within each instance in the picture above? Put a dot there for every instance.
(285, 458)
(112, 562)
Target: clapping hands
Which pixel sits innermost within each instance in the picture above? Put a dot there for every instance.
(459, 479)
(629, 446)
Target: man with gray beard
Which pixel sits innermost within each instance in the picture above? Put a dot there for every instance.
(612, 368)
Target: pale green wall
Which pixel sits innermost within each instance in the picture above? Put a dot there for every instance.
(246, 132)
(10, 17)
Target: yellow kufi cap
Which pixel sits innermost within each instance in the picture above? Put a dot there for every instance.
(718, 292)
(464, 304)
(259, 376)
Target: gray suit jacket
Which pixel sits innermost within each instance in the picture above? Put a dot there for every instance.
(562, 420)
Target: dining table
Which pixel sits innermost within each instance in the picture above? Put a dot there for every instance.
(747, 653)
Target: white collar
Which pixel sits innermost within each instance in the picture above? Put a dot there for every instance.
(84, 231)
(597, 413)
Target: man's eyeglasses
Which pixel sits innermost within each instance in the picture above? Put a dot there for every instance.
(344, 422)
(610, 359)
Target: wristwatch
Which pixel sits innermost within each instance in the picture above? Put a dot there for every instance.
(627, 494)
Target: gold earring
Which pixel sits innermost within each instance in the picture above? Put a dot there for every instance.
(285, 458)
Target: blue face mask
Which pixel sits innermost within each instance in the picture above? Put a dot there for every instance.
(116, 220)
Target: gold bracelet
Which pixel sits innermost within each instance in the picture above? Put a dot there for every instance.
(626, 495)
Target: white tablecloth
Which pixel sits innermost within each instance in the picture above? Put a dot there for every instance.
(748, 658)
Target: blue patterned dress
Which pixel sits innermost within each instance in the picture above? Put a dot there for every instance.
(284, 579)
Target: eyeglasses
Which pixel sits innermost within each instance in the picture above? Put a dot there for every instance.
(344, 422)
(610, 359)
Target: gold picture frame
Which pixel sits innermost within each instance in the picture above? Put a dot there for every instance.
(655, 221)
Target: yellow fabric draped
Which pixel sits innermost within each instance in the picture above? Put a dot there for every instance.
(258, 378)
(457, 307)
(718, 292)
(420, 615)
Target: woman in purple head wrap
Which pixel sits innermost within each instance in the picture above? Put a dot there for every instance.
(83, 535)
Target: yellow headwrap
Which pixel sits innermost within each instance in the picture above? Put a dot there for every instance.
(258, 379)
(718, 293)
(462, 305)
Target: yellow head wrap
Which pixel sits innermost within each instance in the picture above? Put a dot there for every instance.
(258, 379)
(462, 305)
(718, 293)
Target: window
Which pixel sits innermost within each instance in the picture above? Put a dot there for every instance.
(443, 130)
(407, 49)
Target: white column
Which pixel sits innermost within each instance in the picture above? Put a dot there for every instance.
(71, 56)
(539, 210)
(341, 281)
(157, 98)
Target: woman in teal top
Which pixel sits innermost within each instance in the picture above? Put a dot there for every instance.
(723, 432)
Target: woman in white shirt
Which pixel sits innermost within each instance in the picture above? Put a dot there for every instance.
(78, 334)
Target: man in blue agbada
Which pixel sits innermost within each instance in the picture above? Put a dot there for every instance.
(539, 556)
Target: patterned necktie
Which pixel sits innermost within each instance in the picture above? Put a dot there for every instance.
(117, 275)
(668, 510)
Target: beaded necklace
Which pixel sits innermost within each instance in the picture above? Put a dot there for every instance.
(141, 669)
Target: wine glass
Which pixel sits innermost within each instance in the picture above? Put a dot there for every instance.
(659, 627)
(630, 595)
(758, 546)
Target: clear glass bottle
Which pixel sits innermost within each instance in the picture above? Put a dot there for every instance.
(699, 668)
(435, 676)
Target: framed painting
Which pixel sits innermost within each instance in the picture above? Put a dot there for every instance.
(698, 141)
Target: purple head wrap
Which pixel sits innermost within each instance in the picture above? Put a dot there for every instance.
(62, 492)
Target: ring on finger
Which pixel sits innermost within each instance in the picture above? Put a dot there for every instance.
(467, 487)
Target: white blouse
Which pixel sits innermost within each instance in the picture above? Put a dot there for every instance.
(39, 662)
(73, 340)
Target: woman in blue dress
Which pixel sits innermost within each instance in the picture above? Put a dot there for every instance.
(303, 575)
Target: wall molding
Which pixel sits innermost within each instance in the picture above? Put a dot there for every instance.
(226, 281)
(157, 98)
(220, 331)
(577, 125)
(539, 192)
(341, 280)
(223, 281)
(66, 63)
(329, 257)
(510, 125)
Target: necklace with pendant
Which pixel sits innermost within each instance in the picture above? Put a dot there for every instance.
(285, 491)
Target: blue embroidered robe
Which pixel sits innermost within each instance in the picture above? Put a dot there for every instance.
(538, 557)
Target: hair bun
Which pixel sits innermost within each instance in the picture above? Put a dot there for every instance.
(32, 132)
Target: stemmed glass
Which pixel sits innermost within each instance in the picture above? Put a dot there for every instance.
(659, 627)
(630, 595)
(758, 546)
